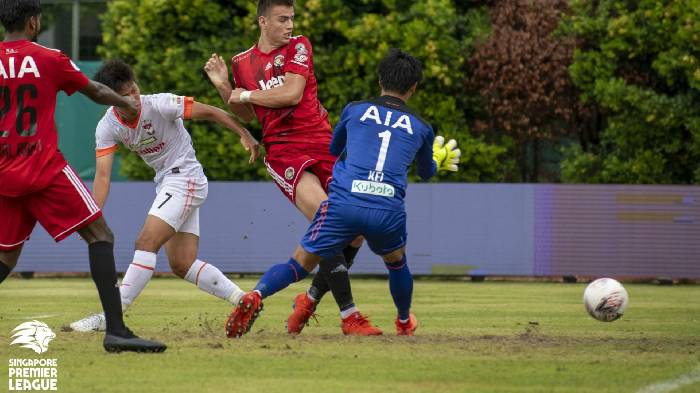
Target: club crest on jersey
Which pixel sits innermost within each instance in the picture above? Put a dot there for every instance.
(289, 173)
(147, 125)
(279, 61)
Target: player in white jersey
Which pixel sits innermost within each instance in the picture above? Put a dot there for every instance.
(158, 136)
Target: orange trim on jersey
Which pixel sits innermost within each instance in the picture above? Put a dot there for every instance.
(133, 124)
(189, 102)
(105, 151)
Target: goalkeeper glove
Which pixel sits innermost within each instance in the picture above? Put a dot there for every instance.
(446, 155)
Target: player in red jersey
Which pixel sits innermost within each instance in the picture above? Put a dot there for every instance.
(36, 182)
(275, 81)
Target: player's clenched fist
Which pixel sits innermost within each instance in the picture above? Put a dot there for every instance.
(251, 144)
(446, 156)
(133, 109)
(216, 69)
(235, 97)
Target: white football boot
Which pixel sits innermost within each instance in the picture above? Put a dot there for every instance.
(92, 323)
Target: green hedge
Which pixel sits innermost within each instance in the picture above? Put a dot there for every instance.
(639, 64)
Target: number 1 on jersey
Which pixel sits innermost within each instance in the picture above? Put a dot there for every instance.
(386, 136)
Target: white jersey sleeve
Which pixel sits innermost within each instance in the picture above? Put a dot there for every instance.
(173, 107)
(105, 138)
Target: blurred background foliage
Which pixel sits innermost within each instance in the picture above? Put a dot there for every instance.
(581, 91)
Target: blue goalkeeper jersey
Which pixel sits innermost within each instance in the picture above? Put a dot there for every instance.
(376, 141)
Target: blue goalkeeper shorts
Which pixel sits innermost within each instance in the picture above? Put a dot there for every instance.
(336, 225)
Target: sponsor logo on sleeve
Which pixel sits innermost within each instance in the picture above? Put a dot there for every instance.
(301, 48)
(302, 53)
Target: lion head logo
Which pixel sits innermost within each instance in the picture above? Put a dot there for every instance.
(35, 335)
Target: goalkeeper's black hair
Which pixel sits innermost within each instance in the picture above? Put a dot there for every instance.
(14, 14)
(114, 74)
(264, 6)
(399, 71)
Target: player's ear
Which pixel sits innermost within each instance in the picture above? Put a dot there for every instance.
(35, 23)
(262, 21)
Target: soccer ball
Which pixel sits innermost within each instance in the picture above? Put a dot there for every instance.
(605, 299)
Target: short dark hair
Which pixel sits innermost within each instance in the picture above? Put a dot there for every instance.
(399, 71)
(264, 6)
(114, 74)
(14, 14)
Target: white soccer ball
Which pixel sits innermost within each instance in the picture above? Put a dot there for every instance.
(605, 299)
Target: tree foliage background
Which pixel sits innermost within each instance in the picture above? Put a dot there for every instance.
(638, 62)
(604, 91)
(521, 73)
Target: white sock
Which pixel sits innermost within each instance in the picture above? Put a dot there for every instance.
(210, 279)
(346, 313)
(137, 276)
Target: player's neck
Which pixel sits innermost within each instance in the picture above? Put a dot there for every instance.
(402, 97)
(16, 36)
(265, 45)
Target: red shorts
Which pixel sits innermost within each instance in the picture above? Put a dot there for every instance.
(286, 161)
(62, 208)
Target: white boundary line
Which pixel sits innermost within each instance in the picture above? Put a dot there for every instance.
(673, 383)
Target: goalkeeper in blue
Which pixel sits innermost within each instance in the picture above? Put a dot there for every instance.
(376, 141)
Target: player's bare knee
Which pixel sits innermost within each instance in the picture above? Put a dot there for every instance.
(307, 260)
(147, 243)
(394, 256)
(180, 266)
(97, 231)
(357, 243)
(9, 258)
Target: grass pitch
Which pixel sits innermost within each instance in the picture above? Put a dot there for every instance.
(473, 337)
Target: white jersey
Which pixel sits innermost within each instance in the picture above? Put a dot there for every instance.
(158, 135)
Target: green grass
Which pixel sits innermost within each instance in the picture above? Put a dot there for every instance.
(473, 337)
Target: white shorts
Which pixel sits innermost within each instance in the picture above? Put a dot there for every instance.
(178, 202)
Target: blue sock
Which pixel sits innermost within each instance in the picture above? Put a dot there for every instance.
(401, 286)
(279, 277)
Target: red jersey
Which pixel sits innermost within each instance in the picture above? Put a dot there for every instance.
(30, 77)
(307, 122)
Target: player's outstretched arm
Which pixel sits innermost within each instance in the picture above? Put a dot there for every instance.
(102, 94)
(283, 96)
(103, 178)
(207, 112)
(218, 75)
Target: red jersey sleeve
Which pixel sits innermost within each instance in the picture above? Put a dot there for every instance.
(68, 76)
(299, 59)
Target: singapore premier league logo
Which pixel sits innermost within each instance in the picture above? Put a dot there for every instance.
(35, 335)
